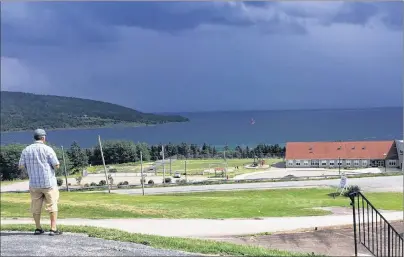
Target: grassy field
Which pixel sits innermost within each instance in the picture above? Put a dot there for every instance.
(194, 167)
(230, 204)
(172, 243)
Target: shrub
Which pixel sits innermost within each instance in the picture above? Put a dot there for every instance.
(93, 184)
(86, 185)
(167, 180)
(351, 189)
(113, 170)
(59, 182)
(78, 180)
(181, 181)
(102, 183)
(150, 182)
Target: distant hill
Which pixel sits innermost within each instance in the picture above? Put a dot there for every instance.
(26, 111)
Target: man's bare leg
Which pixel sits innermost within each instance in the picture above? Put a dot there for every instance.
(37, 219)
(53, 218)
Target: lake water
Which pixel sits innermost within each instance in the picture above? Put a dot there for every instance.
(235, 128)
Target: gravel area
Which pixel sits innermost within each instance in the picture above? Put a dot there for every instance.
(68, 244)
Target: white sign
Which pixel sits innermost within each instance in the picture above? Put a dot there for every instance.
(343, 182)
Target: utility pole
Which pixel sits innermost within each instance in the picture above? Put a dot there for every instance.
(224, 157)
(141, 171)
(186, 178)
(103, 163)
(339, 165)
(64, 166)
(170, 167)
(164, 167)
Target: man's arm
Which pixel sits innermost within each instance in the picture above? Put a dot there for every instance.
(53, 159)
(21, 163)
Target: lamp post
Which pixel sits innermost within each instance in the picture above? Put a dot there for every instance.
(385, 162)
(339, 165)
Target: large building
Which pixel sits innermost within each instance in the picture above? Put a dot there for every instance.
(360, 154)
(400, 150)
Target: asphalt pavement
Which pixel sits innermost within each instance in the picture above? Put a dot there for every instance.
(27, 244)
(367, 184)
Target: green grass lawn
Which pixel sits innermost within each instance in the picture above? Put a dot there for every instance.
(230, 204)
(172, 243)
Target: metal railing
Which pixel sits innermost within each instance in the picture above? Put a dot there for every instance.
(372, 230)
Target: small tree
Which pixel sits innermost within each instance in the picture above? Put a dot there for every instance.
(78, 179)
(110, 179)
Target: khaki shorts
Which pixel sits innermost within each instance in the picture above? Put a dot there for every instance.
(39, 195)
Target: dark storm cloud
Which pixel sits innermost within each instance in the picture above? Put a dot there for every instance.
(218, 55)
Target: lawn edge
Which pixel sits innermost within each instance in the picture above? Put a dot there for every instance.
(187, 245)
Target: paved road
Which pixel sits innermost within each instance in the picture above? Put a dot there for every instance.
(26, 244)
(369, 184)
(212, 227)
(304, 172)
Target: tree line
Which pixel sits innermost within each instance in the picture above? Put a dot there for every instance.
(117, 152)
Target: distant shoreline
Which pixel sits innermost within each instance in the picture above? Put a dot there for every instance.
(118, 125)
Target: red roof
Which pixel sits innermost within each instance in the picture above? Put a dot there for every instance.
(335, 150)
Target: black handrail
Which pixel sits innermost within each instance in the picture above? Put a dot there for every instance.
(372, 230)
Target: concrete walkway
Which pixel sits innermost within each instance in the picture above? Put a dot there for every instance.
(210, 227)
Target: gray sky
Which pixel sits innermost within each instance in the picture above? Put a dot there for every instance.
(204, 56)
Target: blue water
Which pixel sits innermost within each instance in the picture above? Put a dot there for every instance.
(234, 128)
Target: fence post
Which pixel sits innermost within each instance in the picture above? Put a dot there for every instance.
(65, 169)
(103, 163)
(352, 197)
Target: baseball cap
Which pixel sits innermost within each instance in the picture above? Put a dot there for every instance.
(39, 132)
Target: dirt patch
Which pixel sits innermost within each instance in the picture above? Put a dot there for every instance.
(337, 241)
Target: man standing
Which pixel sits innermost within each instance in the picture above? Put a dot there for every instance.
(40, 161)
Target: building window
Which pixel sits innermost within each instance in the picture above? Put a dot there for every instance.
(314, 162)
(306, 163)
(364, 163)
(356, 162)
(392, 163)
(339, 163)
(290, 162)
(348, 163)
(323, 163)
(297, 162)
(332, 163)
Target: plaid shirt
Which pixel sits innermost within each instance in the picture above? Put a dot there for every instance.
(39, 160)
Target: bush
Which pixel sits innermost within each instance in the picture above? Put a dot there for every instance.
(181, 181)
(167, 180)
(102, 183)
(351, 189)
(78, 180)
(59, 181)
(86, 185)
(150, 182)
(93, 184)
(113, 170)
